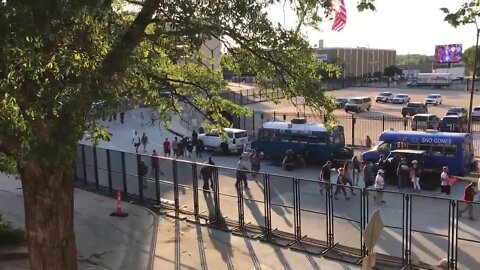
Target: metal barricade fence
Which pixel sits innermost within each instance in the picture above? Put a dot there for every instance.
(467, 240)
(419, 230)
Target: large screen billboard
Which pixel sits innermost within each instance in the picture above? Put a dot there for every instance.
(451, 53)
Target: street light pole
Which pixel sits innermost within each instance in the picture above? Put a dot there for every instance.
(473, 83)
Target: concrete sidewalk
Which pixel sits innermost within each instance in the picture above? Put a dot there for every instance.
(103, 242)
(190, 246)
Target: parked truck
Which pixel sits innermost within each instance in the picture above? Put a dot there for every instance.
(433, 79)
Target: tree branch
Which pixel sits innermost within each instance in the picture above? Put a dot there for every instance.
(115, 59)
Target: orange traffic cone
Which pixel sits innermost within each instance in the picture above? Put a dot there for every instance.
(119, 212)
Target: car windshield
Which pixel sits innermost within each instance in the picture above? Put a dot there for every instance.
(385, 94)
(450, 120)
(420, 118)
(401, 96)
(241, 134)
(414, 105)
(476, 109)
(455, 110)
(432, 96)
(340, 99)
(355, 101)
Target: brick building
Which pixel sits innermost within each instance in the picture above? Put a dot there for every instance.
(358, 62)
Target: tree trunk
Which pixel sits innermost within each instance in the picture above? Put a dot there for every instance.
(48, 198)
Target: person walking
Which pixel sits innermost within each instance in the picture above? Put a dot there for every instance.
(403, 171)
(156, 165)
(341, 182)
(142, 172)
(189, 148)
(254, 162)
(356, 170)
(346, 177)
(241, 173)
(444, 177)
(136, 141)
(153, 118)
(206, 172)
(415, 173)
(468, 196)
(369, 174)
(379, 186)
(198, 148)
(175, 148)
(144, 142)
(325, 174)
(122, 117)
(167, 148)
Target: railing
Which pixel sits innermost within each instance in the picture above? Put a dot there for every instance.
(356, 127)
(292, 212)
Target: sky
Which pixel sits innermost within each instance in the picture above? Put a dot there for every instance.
(408, 26)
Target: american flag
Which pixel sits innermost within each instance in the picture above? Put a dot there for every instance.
(340, 16)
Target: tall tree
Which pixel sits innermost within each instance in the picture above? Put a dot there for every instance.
(468, 60)
(391, 71)
(60, 56)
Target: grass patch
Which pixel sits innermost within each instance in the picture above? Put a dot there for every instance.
(10, 235)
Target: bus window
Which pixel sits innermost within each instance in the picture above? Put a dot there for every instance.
(425, 147)
(299, 138)
(338, 138)
(412, 146)
(384, 147)
(451, 151)
(401, 145)
(316, 139)
(437, 150)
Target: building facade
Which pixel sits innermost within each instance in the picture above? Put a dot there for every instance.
(359, 62)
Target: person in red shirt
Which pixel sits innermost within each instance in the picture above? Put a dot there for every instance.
(167, 147)
(468, 195)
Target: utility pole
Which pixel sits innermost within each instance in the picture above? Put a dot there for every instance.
(473, 82)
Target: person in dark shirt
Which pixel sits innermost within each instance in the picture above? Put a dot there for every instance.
(356, 170)
(369, 174)
(325, 174)
(468, 196)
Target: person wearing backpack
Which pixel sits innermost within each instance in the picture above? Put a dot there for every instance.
(145, 142)
(142, 172)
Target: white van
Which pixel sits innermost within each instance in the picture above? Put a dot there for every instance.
(237, 140)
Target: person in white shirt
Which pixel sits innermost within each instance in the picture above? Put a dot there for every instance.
(136, 141)
(445, 187)
(379, 186)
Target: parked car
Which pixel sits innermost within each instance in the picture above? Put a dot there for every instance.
(453, 123)
(434, 99)
(384, 97)
(457, 111)
(401, 99)
(237, 139)
(414, 108)
(476, 113)
(358, 104)
(424, 121)
(340, 102)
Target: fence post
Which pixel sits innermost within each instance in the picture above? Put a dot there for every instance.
(241, 214)
(140, 177)
(234, 96)
(157, 185)
(405, 122)
(274, 116)
(267, 208)
(253, 122)
(124, 174)
(353, 130)
(175, 185)
(216, 194)
(109, 171)
(195, 190)
(296, 210)
(260, 94)
(95, 167)
(84, 163)
(247, 96)
(244, 122)
(241, 97)
(383, 122)
(298, 114)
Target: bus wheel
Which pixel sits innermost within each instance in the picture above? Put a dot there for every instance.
(224, 148)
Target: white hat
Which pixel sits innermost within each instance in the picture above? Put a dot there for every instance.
(414, 162)
(380, 171)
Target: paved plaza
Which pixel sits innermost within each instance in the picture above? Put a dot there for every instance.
(429, 216)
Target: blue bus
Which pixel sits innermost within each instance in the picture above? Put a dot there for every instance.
(454, 150)
(313, 141)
